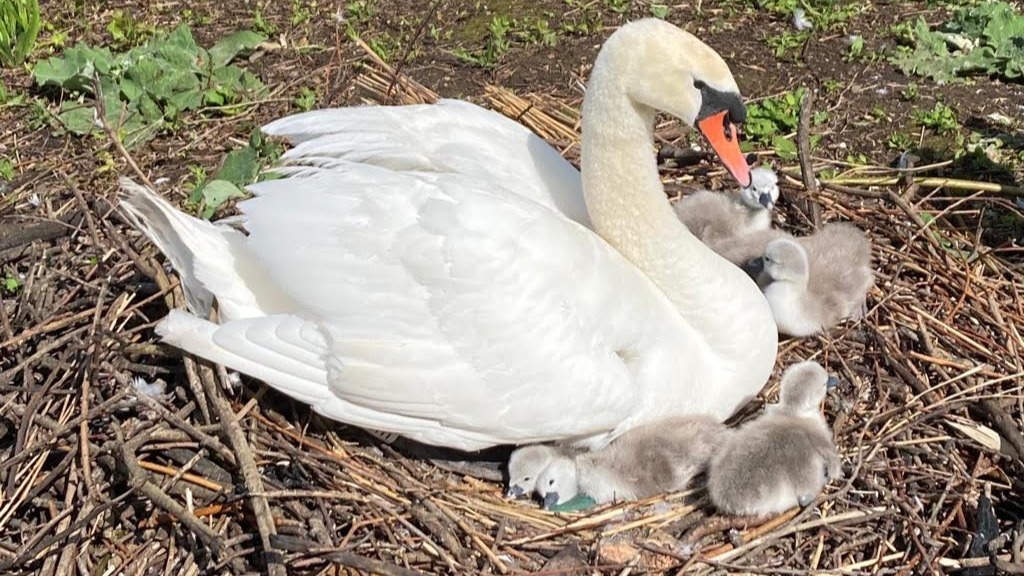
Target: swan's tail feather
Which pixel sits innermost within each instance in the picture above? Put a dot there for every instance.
(211, 259)
(173, 234)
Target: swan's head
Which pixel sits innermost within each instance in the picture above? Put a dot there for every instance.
(803, 389)
(524, 466)
(785, 260)
(558, 483)
(667, 69)
(763, 191)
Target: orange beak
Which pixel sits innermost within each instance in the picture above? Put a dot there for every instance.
(724, 139)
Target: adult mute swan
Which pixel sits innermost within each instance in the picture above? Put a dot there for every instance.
(432, 271)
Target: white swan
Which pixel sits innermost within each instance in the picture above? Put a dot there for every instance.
(429, 270)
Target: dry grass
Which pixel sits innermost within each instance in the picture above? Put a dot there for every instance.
(95, 480)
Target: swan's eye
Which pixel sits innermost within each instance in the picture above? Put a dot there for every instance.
(550, 482)
(527, 479)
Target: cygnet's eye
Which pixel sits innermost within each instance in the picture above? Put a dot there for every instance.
(527, 479)
(550, 482)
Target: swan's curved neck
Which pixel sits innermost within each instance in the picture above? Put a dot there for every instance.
(628, 208)
(626, 200)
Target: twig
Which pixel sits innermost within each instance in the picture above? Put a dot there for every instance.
(292, 544)
(803, 141)
(408, 47)
(250, 474)
(204, 440)
(101, 114)
(94, 357)
(138, 480)
(949, 183)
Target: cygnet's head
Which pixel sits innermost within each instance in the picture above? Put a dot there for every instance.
(664, 68)
(785, 260)
(525, 465)
(763, 192)
(803, 389)
(558, 483)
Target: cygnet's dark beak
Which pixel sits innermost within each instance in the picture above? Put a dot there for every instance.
(832, 383)
(515, 491)
(766, 201)
(550, 500)
(753, 267)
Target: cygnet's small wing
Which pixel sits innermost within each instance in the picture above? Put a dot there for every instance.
(659, 457)
(743, 248)
(840, 267)
(710, 215)
(762, 466)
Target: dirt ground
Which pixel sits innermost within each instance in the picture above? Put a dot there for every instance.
(930, 424)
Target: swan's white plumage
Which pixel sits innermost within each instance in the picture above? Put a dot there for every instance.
(430, 271)
(445, 300)
(450, 136)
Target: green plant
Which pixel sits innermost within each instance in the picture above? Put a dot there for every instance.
(126, 31)
(358, 11)
(941, 118)
(146, 88)
(539, 32)
(909, 93)
(900, 141)
(302, 12)
(240, 168)
(769, 120)
(497, 43)
(617, 6)
(19, 26)
(306, 100)
(856, 50)
(12, 283)
(6, 168)
(986, 39)
(260, 24)
(659, 11)
(384, 46)
(824, 14)
(787, 41)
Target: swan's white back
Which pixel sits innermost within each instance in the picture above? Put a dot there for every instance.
(437, 292)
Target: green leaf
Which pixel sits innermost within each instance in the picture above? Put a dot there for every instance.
(75, 70)
(78, 118)
(226, 50)
(217, 192)
(784, 148)
(6, 169)
(240, 167)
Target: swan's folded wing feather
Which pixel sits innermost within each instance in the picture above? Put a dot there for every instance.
(287, 352)
(448, 301)
(451, 136)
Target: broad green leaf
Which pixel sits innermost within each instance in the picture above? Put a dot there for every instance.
(225, 51)
(784, 148)
(240, 167)
(217, 192)
(78, 118)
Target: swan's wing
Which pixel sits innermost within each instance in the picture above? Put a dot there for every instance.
(449, 303)
(451, 136)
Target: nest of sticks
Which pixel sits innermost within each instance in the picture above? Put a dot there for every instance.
(102, 474)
